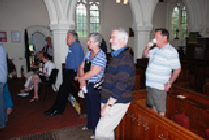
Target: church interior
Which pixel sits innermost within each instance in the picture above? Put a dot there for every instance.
(25, 25)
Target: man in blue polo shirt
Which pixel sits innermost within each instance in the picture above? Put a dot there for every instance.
(163, 59)
(73, 61)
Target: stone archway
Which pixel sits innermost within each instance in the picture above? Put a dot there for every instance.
(143, 11)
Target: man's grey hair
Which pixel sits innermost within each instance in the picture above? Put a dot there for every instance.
(73, 33)
(97, 37)
(121, 33)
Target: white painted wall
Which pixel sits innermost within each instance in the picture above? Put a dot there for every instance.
(18, 15)
(160, 15)
(207, 19)
(116, 16)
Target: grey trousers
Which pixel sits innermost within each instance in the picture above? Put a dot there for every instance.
(3, 109)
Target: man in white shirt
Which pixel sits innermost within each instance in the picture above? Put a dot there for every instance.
(48, 47)
(48, 66)
(163, 69)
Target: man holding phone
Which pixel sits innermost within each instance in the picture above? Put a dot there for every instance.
(163, 69)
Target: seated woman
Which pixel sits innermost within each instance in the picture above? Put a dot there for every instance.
(28, 81)
(36, 65)
(44, 75)
(97, 59)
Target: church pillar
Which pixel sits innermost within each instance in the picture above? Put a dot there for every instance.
(59, 35)
(143, 11)
(61, 14)
(141, 37)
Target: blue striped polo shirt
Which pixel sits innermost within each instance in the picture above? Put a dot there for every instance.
(161, 63)
(99, 59)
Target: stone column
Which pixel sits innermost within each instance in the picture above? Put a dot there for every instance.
(59, 35)
(141, 37)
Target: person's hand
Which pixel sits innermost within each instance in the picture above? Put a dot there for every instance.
(147, 47)
(9, 110)
(80, 79)
(77, 78)
(45, 74)
(167, 87)
(105, 109)
(100, 87)
(82, 84)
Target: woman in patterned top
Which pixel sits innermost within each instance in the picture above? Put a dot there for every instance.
(98, 61)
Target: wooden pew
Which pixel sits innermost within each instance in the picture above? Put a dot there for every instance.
(195, 106)
(140, 123)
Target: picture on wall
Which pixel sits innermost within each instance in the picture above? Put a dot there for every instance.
(3, 36)
(15, 36)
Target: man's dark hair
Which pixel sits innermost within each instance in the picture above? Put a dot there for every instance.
(45, 55)
(73, 33)
(163, 31)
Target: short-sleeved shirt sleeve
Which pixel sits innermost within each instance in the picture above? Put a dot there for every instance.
(100, 59)
(174, 60)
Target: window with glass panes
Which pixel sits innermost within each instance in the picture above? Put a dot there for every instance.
(179, 21)
(87, 17)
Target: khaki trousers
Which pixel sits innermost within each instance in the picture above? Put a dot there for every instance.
(107, 124)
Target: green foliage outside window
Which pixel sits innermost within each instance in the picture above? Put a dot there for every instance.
(87, 17)
(179, 22)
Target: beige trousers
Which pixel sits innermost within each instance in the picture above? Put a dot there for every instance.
(107, 124)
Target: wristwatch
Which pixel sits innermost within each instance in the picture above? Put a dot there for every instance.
(110, 105)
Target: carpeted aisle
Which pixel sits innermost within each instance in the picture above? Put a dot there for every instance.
(74, 133)
(28, 118)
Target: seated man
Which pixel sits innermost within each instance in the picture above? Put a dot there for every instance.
(47, 68)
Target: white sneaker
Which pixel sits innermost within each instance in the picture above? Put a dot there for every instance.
(31, 87)
(85, 128)
(54, 88)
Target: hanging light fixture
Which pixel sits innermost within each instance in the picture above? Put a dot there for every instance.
(125, 1)
(117, 1)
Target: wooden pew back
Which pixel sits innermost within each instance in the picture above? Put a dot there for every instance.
(140, 123)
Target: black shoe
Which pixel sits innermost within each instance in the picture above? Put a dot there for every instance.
(55, 112)
(48, 112)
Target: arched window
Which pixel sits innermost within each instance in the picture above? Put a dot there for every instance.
(179, 22)
(87, 17)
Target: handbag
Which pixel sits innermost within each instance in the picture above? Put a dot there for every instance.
(87, 66)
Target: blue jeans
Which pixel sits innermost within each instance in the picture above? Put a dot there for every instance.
(3, 109)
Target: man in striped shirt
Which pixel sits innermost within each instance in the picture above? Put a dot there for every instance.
(163, 69)
(117, 88)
